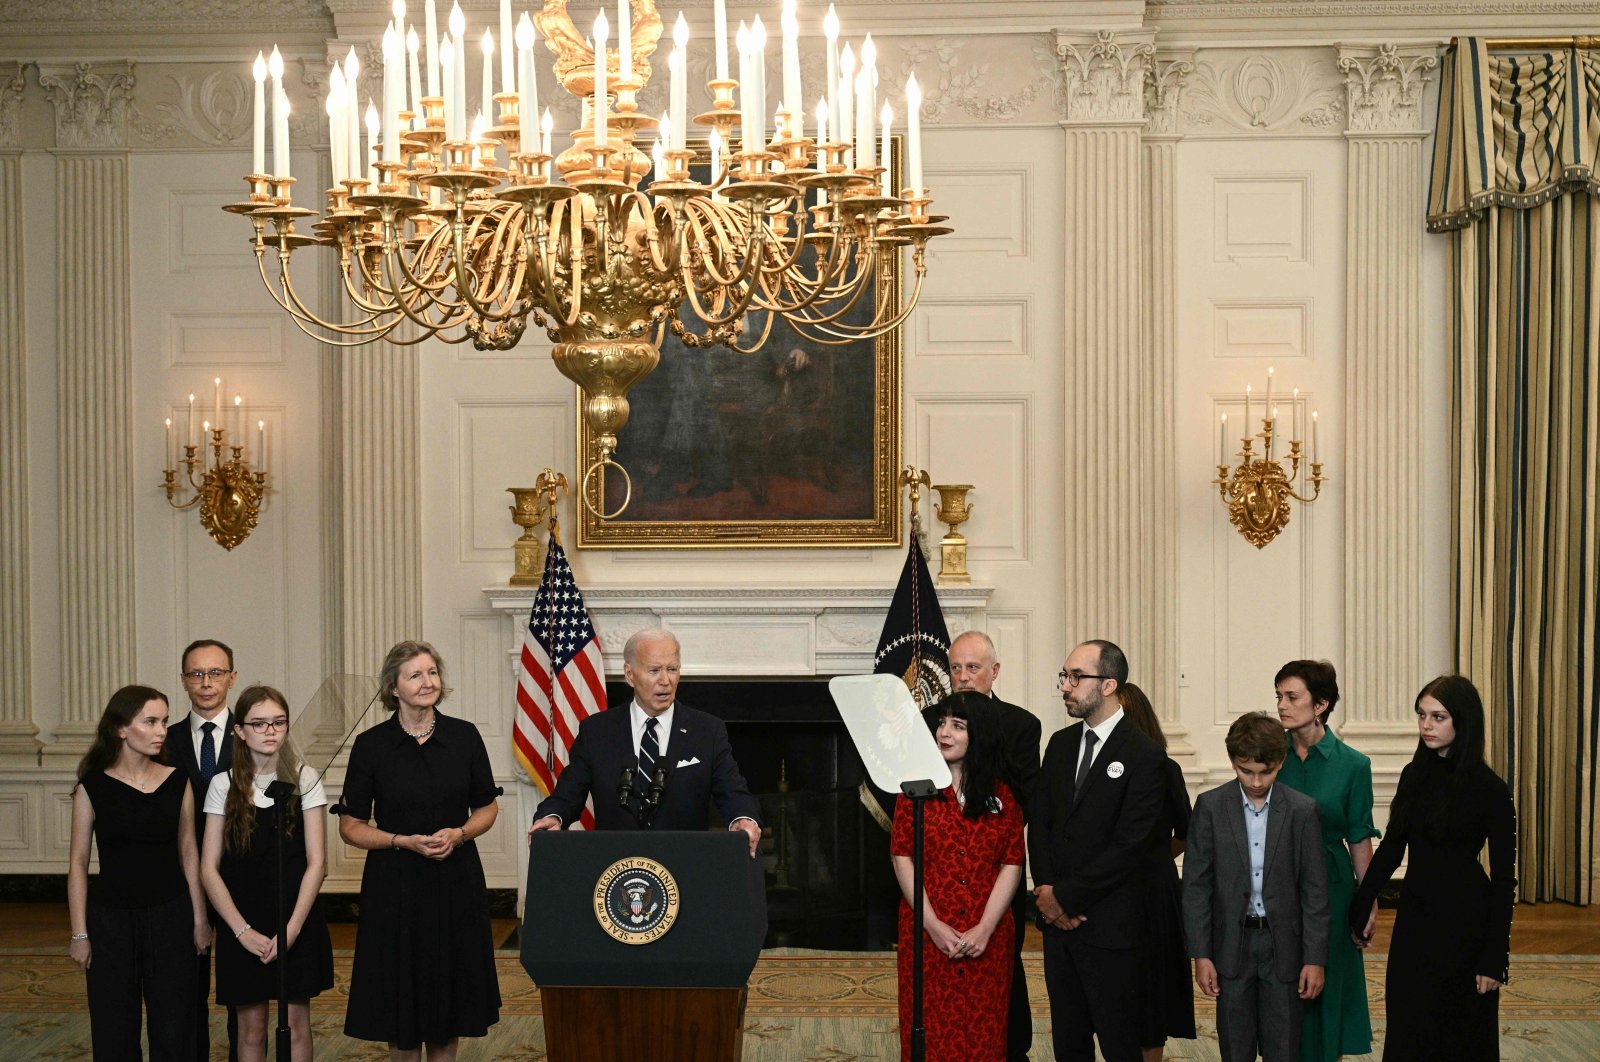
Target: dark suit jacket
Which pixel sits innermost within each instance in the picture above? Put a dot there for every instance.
(1020, 736)
(700, 769)
(180, 753)
(1090, 846)
(1294, 882)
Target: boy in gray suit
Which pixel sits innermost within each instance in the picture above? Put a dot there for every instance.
(1255, 898)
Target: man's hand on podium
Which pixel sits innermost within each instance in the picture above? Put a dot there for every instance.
(751, 828)
(549, 822)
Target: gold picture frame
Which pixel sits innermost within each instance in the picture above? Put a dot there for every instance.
(795, 445)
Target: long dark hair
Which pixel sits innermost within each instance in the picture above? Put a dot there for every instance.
(1140, 712)
(981, 766)
(239, 811)
(1458, 696)
(121, 710)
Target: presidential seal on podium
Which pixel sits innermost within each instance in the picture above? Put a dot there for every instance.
(636, 900)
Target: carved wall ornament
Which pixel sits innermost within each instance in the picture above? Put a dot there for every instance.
(950, 83)
(1103, 81)
(1163, 84)
(1385, 90)
(214, 109)
(91, 109)
(11, 87)
(1290, 93)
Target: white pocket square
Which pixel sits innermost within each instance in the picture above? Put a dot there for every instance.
(690, 762)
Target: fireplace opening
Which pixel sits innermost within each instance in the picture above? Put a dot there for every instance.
(830, 883)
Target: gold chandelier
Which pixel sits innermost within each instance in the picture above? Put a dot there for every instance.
(439, 238)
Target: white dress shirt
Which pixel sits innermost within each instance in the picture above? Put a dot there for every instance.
(197, 735)
(1101, 732)
(636, 718)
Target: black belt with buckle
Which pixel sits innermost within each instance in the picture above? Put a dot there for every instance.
(1254, 921)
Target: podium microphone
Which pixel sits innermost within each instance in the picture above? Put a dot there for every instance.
(652, 797)
(625, 788)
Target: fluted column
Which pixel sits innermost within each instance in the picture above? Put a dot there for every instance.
(1158, 207)
(17, 730)
(1383, 665)
(1118, 497)
(94, 360)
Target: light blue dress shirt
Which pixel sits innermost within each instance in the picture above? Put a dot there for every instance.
(1255, 828)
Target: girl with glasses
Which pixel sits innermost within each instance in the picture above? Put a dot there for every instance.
(238, 865)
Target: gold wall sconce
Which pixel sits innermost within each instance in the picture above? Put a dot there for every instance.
(230, 494)
(1258, 490)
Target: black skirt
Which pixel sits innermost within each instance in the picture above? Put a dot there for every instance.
(242, 978)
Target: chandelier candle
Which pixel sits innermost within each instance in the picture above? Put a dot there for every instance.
(258, 139)
(594, 244)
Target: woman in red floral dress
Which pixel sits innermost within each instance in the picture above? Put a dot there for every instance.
(972, 864)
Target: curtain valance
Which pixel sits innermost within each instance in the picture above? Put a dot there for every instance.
(1513, 130)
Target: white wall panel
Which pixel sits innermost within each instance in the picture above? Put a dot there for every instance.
(989, 209)
(985, 442)
(994, 327)
(198, 236)
(1261, 216)
(495, 439)
(1261, 328)
(223, 339)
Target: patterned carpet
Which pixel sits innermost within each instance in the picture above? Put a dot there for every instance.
(804, 1007)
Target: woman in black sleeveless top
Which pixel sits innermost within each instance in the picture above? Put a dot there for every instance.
(138, 925)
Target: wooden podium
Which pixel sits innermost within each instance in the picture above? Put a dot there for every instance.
(642, 943)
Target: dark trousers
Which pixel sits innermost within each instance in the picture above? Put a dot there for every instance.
(1019, 1017)
(1256, 1012)
(1094, 994)
(142, 955)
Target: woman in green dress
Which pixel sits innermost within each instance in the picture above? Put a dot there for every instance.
(1339, 779)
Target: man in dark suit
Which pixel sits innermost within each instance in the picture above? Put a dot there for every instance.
(1099, 799)
(201, 745)
(973, 667)
(652, 734)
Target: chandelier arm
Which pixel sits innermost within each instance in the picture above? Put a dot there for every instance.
(766, 330)
(290, 303)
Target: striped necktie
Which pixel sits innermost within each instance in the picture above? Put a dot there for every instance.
(649, 751)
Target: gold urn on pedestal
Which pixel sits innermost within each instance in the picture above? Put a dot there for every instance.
(527, 514)
(954, 509)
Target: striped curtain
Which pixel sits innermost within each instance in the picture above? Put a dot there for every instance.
(1515, 182)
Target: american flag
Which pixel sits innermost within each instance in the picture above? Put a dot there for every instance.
(561, 677)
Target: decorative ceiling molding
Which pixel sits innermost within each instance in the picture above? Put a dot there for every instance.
(188, 14)
(1164, 10)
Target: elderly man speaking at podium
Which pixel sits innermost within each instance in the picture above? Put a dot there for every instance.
(653, 763)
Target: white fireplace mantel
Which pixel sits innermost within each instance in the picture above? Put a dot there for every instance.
(750, 631)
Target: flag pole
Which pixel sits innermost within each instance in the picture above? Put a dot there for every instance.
(550, 484)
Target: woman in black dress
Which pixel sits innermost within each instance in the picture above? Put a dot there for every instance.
(238, 862)
(1167, 1002)
(138, 925)
(1452, 933)
(424, 965)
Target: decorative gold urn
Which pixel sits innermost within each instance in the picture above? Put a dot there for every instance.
(954, 509)
(527, 513)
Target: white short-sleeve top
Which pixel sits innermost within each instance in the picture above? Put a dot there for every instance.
(312, 795)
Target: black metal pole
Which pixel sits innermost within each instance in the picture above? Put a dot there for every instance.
(280, 792)
(918, 793)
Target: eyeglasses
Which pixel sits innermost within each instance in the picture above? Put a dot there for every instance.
(1072, 678)
(216, 674)
(261, 726)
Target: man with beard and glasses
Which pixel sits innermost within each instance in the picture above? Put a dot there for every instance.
(1099, 799)
(973, 667)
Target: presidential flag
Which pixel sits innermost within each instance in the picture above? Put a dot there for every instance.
(915, 647)
(561, 677)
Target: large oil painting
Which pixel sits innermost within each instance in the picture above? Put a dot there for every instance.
(795, 444)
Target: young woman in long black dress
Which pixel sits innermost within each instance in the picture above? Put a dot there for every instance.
(239, 860)
(424, 968)
(137, 926)
(1452, 933)
(1167, 1004)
